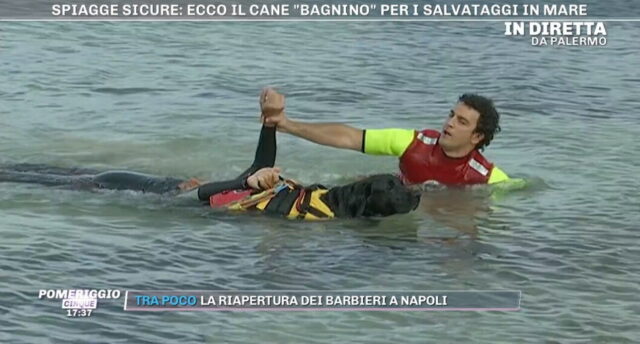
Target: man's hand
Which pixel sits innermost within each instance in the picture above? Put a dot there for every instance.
(272, 106)
(328, 134)
(264, 178)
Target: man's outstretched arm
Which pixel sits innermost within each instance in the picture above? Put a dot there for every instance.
(329, 134)
(336, 135)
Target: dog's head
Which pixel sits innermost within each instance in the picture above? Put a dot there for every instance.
(388, 196)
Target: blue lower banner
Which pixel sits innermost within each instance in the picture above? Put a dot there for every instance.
(216, 300)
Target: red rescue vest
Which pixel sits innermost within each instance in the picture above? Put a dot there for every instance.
(424, 160)
(226, 197)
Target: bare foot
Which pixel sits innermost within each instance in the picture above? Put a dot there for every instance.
(189, 184)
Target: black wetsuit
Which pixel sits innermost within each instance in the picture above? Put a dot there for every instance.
(265, 157)
(82, 178)
(378, 195)
(88, 179)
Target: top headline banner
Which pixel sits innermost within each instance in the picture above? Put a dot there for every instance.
(314, 10)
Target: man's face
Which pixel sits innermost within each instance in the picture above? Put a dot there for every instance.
(458, 132)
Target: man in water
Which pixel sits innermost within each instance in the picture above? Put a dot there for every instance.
(257, 188)
(450, 156)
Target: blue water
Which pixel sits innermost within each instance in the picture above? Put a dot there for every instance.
(180, 99)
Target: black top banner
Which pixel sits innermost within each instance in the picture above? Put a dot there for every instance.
(317, 10)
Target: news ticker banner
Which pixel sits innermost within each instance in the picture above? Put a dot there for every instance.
(544, 23)
(320, 10)
(83, 303)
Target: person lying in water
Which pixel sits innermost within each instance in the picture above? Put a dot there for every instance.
(259, 188)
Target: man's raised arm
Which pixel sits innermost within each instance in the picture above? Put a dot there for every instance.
(329, 134)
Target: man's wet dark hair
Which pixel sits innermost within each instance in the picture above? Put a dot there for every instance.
(489, 120)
